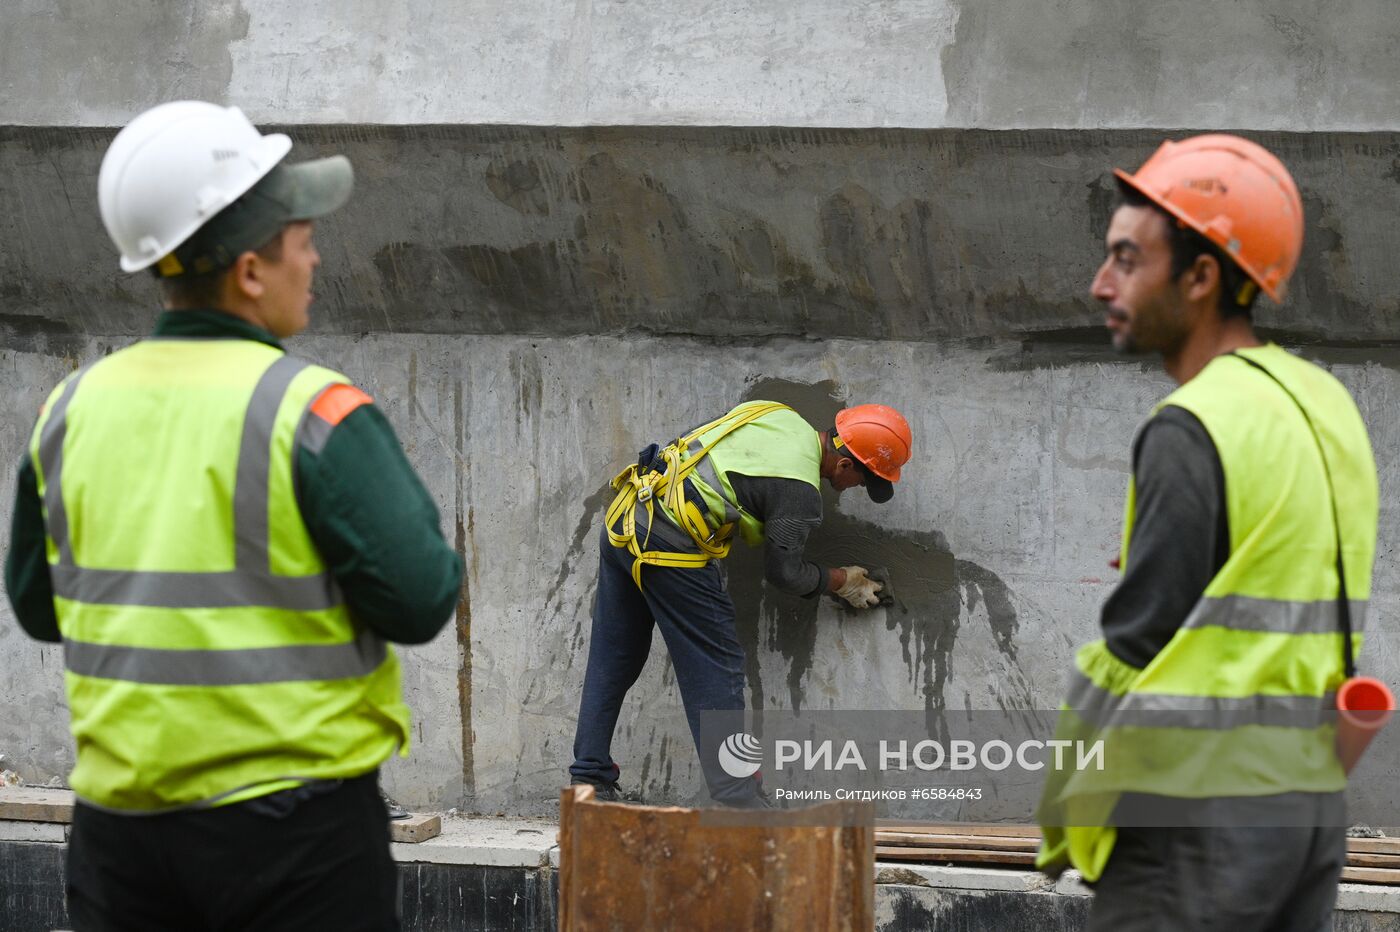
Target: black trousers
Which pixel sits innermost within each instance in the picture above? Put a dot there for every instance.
(322, 863)
(1234, 873)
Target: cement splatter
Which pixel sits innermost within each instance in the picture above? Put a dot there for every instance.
(934, 591)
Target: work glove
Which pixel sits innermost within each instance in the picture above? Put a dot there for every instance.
(859, 590)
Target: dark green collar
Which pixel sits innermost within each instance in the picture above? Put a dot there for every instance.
(211, 323)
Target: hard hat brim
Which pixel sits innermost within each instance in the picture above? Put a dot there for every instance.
(313, 189)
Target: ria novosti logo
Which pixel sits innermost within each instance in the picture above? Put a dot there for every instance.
(740, 755)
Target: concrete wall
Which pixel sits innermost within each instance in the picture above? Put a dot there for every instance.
(532, 305)
(1084, 64)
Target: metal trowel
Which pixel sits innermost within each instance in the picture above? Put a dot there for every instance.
(881, 574)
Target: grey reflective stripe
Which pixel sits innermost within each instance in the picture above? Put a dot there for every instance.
(250, 504)
(51, 461)
(313, 431)
(1157, 710)
(298, 663)
(233, 589)
(706, 470)
(251, 582)
(1242, 613)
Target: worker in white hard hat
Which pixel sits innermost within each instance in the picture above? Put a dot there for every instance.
(225, 538)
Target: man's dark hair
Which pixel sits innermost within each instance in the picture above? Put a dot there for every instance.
(845, 453)
(1237, 290)
(191, 291)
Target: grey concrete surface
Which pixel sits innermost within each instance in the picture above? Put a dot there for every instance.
(1252, 64)
(721, 233)
(530, 304)
(1013, 503)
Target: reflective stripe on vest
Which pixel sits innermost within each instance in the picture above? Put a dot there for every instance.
(1105, 709)
(226, 667)
(705, 468)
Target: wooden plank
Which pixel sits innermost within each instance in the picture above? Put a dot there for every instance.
(1365, 859)
(1390, 846)
(1002, 829)
(36, 804)
(989, 842)
(417, 827)
(1370, 875)
(952, 855)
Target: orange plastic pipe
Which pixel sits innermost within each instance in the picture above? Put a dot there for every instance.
(1364, 705)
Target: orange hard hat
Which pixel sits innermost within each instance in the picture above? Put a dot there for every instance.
(1236, 194)
(879, 437)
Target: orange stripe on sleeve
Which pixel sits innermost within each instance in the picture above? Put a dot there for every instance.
(333, 404)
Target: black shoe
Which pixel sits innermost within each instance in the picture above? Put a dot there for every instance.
(396, 811)
(609, 792)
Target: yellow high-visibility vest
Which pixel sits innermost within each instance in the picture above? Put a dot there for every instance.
(1237, 703)
(210, 657)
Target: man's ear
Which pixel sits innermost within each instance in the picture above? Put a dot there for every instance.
(1203, 277)
(246, 276)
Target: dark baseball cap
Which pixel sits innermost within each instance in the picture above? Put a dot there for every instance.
(287, 194)
(880, 490)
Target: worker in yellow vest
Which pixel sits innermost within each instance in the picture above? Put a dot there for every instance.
(1248, 540)
(757, 470)
(224, 538)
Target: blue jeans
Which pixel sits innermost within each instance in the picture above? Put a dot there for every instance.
(696, 618)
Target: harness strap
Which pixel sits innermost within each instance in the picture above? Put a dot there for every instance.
(637, 485)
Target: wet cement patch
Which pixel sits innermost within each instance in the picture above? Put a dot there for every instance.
(934, 592)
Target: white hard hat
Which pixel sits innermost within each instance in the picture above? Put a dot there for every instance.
(172, 169)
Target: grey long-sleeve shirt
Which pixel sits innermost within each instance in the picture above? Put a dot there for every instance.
(790, 510)
(1181, 536)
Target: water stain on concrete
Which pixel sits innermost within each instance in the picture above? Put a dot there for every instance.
(517, 184)
(1066, 346)
(934, 591)
(24, 333)
(465, 536)
(588, 523)
(883, 256)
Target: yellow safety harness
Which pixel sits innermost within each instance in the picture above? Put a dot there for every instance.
(643, 485)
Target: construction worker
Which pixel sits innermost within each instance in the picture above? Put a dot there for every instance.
(757, 470)
(1246, 556)
(224, 537)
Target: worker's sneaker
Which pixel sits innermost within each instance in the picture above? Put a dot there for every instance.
(609, 792)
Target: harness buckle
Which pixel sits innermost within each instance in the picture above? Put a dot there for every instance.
(645, 493)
